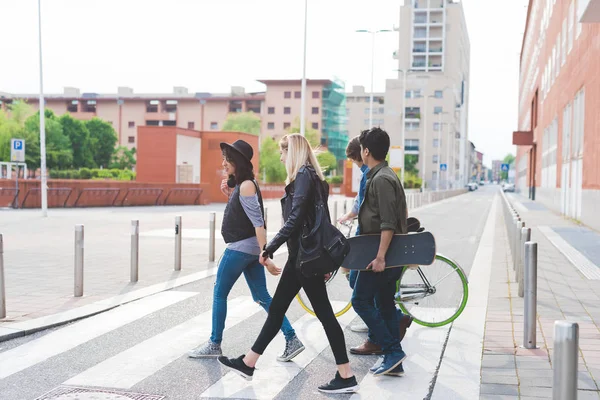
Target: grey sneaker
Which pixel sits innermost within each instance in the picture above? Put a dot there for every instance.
(359, 327)
(207, 350)
(293, 347)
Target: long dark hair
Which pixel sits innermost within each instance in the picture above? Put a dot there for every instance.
(243, 167)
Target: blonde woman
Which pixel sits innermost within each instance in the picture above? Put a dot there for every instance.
(303, 174)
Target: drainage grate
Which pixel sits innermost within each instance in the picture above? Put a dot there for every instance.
(82, 393)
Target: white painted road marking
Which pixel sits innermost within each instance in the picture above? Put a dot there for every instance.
(67, 338)
(135, 364)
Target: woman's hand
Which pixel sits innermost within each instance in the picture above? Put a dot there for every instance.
(272, 268)
(224, 187)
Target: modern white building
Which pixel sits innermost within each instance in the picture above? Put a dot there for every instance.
(431, 91)
(357, 110)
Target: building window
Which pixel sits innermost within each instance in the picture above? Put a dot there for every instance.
(411, 144)
(435, 158)
(315, 125)
(437, 110)
(439, 94)
(169, 123)
(271, 110)
(90, 106)
(214, 125)
(407, 94)
(191, 125)
(434, 175)
(72, 106)
(286, 125)
(366, 122)
(131, 139)
(315, 110)
(436, 143)
(366, 99)
(381, 110)
(287, 110)
(171, 106)
(287, 95)
(152, 106)
(131, 124)
(367, 111)
(436, 126)
(412, 112)
(271, 125)
(316, 95)
(297, 95)
(152, 123)
(347, 111)
(411, 126)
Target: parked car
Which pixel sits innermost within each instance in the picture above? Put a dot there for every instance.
(472, 186)
(508, 187)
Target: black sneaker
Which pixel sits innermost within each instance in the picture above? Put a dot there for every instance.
(238, 366)
(340, 385)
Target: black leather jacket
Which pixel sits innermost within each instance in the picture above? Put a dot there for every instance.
(297, 206)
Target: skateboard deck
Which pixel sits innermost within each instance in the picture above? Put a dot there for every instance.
(413, 248)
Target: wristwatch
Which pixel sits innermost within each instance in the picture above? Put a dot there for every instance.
(265, 253)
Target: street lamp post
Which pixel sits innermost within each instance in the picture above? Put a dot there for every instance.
(439, 151)
(303, 86)
(373, 33)
(448, 155)
(44, 184)
(424, 144)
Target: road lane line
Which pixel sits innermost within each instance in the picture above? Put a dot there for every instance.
(272, 376)
(135, 364)
(69, 337)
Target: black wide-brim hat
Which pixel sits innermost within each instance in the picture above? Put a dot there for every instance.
(241, 147)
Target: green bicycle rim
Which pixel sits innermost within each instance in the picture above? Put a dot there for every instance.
(463, 303)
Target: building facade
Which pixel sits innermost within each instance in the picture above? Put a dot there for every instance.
(496, 170)
(558, 135)
(431, 91)
(358, 107)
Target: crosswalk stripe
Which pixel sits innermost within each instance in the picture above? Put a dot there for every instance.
(135, 364)
(272, 376)
(67, 338)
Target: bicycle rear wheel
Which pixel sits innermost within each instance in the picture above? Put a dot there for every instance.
(434, 295)
(338, 291)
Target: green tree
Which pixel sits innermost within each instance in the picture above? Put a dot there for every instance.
(270, 166)
(59, 152)
(327, 161)
(509, 159)
(312, 135)
(103, 140)
(123, 158)
(79, 135)
(410, 163)
(13, 126)
(247, 122)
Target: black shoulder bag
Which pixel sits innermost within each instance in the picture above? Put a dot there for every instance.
(323, 247)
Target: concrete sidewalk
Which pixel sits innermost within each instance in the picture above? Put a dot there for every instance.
(564, 293)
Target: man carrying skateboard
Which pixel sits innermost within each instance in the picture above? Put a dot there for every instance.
(383, 212)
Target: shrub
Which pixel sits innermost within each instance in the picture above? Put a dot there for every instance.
(85, 173)
(95, 172)
(115, 172)
(105, 174)
(62, 175)
(335, 180)
(54, 174)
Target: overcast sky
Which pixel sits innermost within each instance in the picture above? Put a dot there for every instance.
(210, 45)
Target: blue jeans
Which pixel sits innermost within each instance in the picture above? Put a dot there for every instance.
(232, 264)
(352, 281)
(373, 301)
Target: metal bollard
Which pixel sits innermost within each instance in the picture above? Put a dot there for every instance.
(530, 309)
(135, 250)
(335, 208)
(178, 229)
(2, 285)
(211, 236)
(516, 241)
(564, 363)
(266, 215)
(524, 237)
(78, 287)
(511, 236)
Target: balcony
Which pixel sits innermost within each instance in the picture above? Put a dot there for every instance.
(435, 49)
(420, 18)
(419, 64)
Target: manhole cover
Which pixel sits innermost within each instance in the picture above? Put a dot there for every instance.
(81, 393)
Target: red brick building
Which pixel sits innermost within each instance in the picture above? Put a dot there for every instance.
(558, 136)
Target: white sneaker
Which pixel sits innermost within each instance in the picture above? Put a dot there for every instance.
(207, 350)
(359, 327)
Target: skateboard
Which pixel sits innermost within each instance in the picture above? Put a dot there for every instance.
(414, 225)
(409, 249)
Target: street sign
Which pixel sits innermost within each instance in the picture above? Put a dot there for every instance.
(17, 150)
(504, 167)
(443, 167)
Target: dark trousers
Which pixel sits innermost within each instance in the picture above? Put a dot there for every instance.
(373, 301)
(289, 285)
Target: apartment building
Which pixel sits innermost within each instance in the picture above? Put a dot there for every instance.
(325, 110)
(431, 92)
(558, 135)
(126, 110)
(496, 170)
(358, 107)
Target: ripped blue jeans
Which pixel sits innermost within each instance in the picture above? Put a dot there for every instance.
(232, 264)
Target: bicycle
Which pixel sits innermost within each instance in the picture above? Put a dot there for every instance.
(430, 305)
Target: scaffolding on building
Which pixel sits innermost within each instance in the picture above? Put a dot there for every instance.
(335, 136)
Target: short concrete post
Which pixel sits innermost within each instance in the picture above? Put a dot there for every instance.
(524, 237)
(211, 236)
(564, 363)
(516, 242)
(335, 213)
(135, 250)
(266, 215)
(178, 229)
(79, 240)
(2, 284)
(530, 309)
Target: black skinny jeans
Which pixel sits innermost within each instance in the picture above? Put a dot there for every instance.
(289, 285)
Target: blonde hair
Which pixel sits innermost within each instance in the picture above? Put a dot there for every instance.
(299, 154)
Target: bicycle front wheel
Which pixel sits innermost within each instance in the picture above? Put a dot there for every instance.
(434, 295)
(338, 292)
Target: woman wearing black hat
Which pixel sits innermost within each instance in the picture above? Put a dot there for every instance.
(244, 231)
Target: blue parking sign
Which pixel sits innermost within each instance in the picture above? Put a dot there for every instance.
(18, 144)
(504, 167)
(17, 150)
(443, 167)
